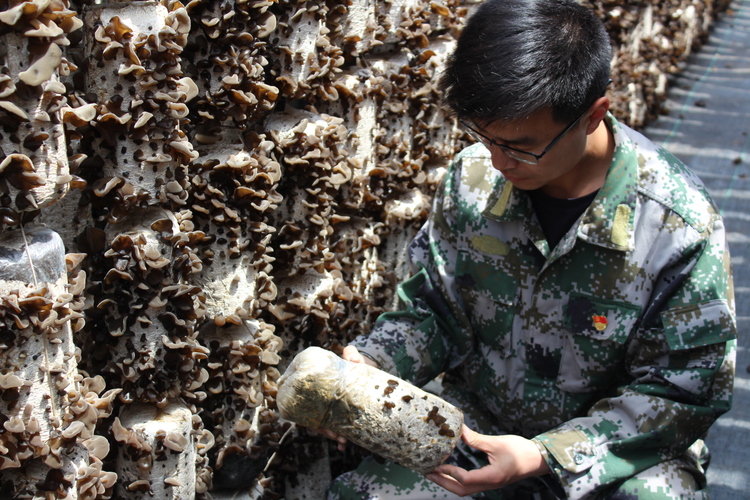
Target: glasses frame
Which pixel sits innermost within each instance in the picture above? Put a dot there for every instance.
(518, 154)
(525, 156)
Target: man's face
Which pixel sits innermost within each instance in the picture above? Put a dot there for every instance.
(561, 164)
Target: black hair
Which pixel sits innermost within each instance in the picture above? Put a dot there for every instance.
(516, 57)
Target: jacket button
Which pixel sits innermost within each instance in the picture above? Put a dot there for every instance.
(578, 458)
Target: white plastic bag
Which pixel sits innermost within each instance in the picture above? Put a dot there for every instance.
(369, 407)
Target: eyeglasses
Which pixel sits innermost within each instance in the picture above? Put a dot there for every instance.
(517, 154)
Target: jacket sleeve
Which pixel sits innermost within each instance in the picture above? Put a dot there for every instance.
(680, 372)
(430, 333)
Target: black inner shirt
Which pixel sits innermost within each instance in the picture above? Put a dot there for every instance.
(557, 215)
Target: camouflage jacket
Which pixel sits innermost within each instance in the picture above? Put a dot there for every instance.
(614, 351)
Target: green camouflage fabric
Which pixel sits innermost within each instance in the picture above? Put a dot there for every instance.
(614, 351)
(676, 479)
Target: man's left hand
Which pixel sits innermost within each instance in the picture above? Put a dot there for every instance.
(511, 458)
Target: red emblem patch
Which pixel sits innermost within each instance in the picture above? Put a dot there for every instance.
(600, 322)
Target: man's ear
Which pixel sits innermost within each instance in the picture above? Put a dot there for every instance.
(597, 112)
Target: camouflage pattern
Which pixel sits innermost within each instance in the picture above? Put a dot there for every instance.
(680, 478)
(676, 479)
(373, 480)
(614, 351)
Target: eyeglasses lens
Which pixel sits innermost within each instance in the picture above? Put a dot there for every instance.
(489, 143)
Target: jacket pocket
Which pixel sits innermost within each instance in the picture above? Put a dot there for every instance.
(695, 336)
(698, 325)
(596, 342)
(488, 295)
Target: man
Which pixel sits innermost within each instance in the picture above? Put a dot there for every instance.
(572, 283)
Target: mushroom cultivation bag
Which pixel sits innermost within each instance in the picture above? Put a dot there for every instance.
(369, 407)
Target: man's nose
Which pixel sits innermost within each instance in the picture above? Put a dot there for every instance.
(500, 160)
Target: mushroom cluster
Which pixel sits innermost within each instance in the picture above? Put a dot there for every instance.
(137, 133)
(229, 53)
(140, 330)
(49, 409)
(229, 182)
(241, 389)
(651, 40)
(34, 169)
(161, 452)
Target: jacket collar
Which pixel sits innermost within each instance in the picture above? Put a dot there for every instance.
(609, 220)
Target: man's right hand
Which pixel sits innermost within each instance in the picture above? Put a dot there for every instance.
(350, 354)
